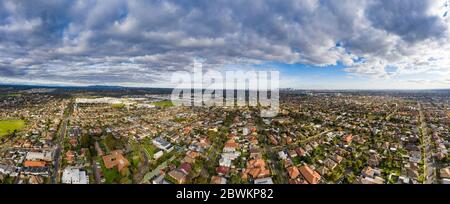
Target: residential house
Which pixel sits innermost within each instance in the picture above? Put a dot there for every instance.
(116, 159)
(311, 176)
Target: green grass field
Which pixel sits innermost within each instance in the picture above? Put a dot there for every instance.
(111, 175)
(14, 94)
(118, 106)
(8, 126)
(163, 104)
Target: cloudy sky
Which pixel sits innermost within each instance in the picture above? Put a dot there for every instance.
(315, 44)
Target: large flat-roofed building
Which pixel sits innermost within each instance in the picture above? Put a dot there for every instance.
(73, 175)
(104, 100)
(267, 180)
(44, 156)
(162, 144)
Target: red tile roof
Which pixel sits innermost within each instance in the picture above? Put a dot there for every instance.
(34, 164)
(311, 176)
(222, 170)
(115, 159)
(231, 144)
(348, 138)
(293, 172)
(186, 167)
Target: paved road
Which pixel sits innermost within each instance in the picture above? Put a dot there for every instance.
(142, 167)
(57, 156)
(96, 169)
(428, 166)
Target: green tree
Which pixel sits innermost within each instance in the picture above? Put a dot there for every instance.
(125, 172)
(85, 141)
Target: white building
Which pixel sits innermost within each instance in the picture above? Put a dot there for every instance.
(73, 175)
(158, 155)
(445, 181)
(224, 162)
(143, 105)
(162, 144)
(104, 100)
(267, 180)
(45, 156)
(282, 155)
(245, 131)
(231, 155)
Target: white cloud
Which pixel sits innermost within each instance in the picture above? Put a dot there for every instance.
(127, 42)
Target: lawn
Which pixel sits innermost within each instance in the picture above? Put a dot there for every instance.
(135, 156)
(179, 120)
(151, 150)
(8, 126)
(14, 94)
(113, 143)
(111, 175)
(148, 146)
(163, 104)
(118, 106)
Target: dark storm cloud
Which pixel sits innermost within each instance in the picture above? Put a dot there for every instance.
(408, 19)
(10, 71)
(122, 41)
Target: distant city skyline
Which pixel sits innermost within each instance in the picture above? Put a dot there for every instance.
(316, 45)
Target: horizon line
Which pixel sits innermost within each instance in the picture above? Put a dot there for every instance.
(150, 87)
